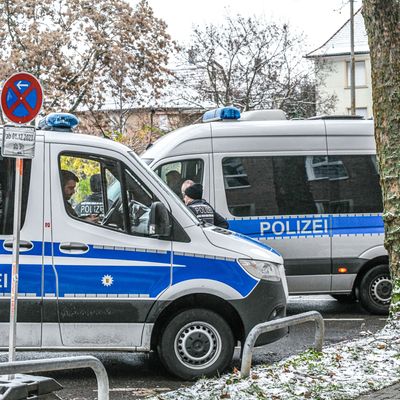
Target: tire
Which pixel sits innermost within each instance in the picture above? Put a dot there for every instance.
(195, 343)
(344, 298)
(376, 290)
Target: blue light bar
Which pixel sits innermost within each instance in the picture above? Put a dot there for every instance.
(59, 122)
(221, 113)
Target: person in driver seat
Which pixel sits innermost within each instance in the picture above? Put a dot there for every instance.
(69, 181)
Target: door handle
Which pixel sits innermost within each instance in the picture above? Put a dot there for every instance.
(74, 248)
(24, 245)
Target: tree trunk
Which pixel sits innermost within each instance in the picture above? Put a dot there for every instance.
(383, 27)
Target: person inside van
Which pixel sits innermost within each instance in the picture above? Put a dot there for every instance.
(174, 181)
(69, 181)
(92, 203)
(193, 197)
(95, 187)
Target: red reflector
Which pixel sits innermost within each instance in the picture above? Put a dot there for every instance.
(342, 270)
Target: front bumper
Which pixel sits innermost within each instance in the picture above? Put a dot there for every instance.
(266, 302)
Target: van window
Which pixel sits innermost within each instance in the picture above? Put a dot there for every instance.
(271, 186)
(108, 189)
(287, 185)
(360, 192)
(7, 189)
(175, 173)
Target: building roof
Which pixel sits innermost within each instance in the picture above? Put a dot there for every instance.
(339, 42)
(171, 97)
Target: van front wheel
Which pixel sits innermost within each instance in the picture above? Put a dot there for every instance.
(195, 343)
(376, 290)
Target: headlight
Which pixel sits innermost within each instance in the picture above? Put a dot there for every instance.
(262, 269)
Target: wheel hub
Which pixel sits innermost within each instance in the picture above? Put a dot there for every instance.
(197, 345)
(381, 289)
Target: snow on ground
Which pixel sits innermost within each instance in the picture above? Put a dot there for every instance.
(343, 371)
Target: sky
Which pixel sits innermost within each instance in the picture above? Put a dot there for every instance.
(317, 19)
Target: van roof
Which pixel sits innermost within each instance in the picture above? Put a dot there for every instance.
(195, 139)
(65, 137)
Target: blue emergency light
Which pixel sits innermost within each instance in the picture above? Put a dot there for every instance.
(221, 113)
(59, 122)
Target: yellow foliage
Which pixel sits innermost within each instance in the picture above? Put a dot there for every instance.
(83, 168)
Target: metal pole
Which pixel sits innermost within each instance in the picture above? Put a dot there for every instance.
(19, 163)
(269, 326)
(352, 61)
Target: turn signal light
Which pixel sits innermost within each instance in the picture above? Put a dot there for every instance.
(342, 270)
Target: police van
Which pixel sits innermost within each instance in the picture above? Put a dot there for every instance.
(308, 188)
(137, 272)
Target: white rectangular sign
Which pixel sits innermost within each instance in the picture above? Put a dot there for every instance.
(18, 141)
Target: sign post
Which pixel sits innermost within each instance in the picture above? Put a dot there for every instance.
(21, 101)
(15, 260)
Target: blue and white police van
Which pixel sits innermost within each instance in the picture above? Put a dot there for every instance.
(309, 188)
(129, 269)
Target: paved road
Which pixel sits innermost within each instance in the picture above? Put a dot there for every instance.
(135, 376)
(387, 393)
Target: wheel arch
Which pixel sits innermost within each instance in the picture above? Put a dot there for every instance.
(198, 300)
(367, 267)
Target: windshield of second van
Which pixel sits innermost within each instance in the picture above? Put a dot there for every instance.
(175, 173)
(169, 192)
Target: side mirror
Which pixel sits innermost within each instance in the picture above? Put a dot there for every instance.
(160, 224)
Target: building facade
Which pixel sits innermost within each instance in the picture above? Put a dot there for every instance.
(333, 58)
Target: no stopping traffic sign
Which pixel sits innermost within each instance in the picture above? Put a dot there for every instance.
(21, 98)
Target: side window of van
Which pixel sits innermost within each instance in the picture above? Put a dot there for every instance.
(7, 188)
(287, 185)
(360, 191)
(175, 173)
(271, 186)
(105, 192)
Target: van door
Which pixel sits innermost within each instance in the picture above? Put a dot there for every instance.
(109, 269)
(29, 316)
(356, 200)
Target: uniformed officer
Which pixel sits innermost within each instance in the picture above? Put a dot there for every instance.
(192, 196)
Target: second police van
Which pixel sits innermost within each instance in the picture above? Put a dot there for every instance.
(309, 188)
(110, 259)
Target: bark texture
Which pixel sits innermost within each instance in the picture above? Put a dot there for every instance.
(383, 28)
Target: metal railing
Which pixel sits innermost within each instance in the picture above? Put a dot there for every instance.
(259, 329)
(63, 363)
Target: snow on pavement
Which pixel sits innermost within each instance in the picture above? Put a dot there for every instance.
(343, 371)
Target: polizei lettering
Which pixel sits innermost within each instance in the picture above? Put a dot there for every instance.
(295, 227)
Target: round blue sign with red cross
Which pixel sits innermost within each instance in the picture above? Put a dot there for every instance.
(21, 98)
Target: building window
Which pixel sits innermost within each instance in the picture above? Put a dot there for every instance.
(164, 123)
(359, 111)
(360, 74)
(319, 167)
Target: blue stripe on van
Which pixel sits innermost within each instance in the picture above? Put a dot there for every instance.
(227, 272)
(309, 226)
(357, 225)
(150, 281)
